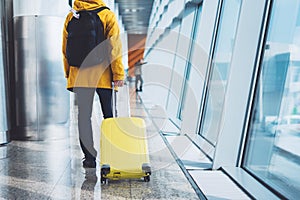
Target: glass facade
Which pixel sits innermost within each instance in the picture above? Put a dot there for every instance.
(219, 70)
(204, 74)
(272, 149)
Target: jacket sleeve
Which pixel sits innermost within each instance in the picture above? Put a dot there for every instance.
(115, 48)
(64, 44)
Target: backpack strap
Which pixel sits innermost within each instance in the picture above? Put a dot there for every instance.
(100, 9)
(97, 10)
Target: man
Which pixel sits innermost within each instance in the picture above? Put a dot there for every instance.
(138, 75)
(84, 81)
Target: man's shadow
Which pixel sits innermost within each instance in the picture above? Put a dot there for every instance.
(88, 185)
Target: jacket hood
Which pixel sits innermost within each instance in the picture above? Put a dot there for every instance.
(87, 4)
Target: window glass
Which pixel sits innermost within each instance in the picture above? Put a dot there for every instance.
(272, 149)
(212, 115)
(179, 69)
(187, 84)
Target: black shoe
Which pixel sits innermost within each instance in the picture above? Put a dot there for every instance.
(137, 90)
(89, 163)
(141, 90)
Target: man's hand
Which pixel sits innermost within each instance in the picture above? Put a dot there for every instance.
(119, 83)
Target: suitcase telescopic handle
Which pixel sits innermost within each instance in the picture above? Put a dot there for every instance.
(114, 100)
(114, 105)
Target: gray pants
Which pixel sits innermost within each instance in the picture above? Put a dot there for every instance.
(139, 80)
(85, 98)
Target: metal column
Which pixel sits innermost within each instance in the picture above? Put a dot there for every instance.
(41, 100)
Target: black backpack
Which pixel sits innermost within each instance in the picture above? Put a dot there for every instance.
(84, 34)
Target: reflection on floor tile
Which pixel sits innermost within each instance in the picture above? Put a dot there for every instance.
(3, 152)
(135, 112)
(157, 111)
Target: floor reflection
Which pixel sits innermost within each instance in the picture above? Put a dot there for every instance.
(88, 185)
(53, 169)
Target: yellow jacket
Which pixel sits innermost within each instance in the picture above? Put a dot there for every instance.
(113, 69)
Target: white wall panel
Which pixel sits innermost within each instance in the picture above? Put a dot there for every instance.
(157, 72)
(176, 6)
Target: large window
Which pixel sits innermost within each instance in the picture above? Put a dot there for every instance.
(179, 69)
(272, 149)
(219, 70)
(189, 67)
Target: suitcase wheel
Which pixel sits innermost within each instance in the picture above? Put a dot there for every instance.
(105, 169)
(146, 168)
(147, 178)
(104, 180)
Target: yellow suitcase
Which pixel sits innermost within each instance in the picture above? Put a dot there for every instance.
(123, 148)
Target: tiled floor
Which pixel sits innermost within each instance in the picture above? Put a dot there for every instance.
(52, 169)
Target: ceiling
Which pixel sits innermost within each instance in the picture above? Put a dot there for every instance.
(135, 15)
